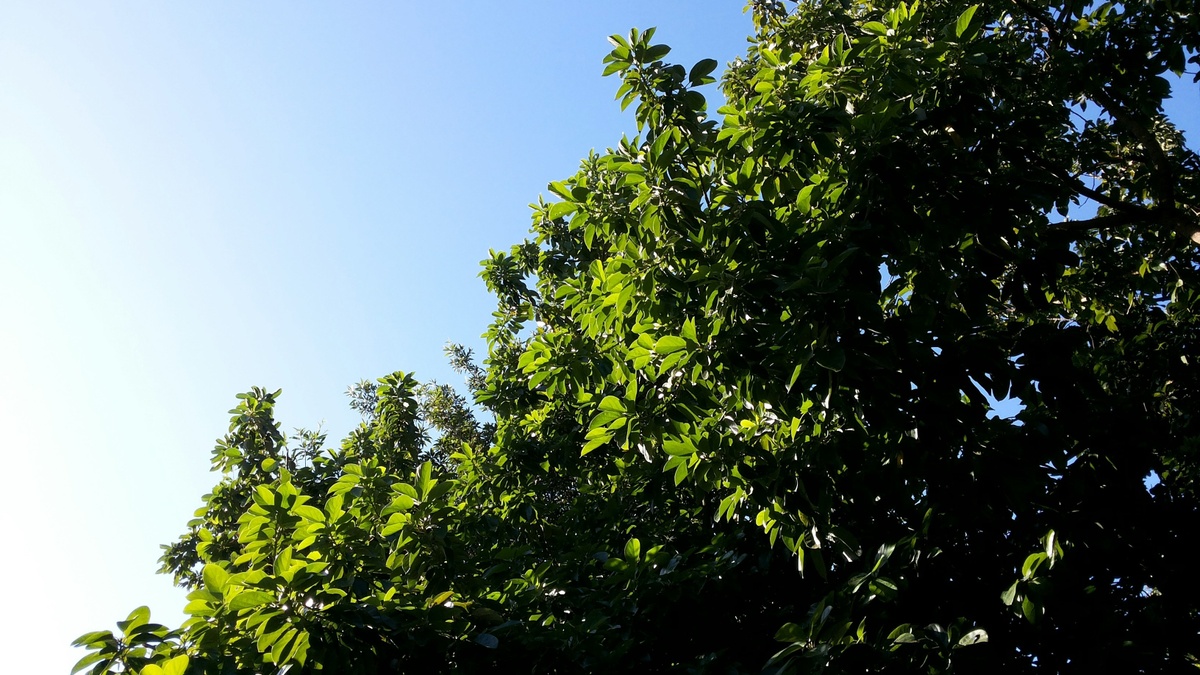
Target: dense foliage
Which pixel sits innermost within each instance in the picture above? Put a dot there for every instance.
(891, 368)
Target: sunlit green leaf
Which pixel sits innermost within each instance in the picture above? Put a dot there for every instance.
(964, 20)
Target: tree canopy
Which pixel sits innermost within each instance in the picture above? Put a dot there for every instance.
(887, 367)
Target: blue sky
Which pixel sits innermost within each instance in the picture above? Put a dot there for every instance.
(196, 198)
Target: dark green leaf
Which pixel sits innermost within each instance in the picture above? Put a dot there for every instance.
(700, 72)
(487, 640)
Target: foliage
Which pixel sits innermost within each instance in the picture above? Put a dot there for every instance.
(851, 380)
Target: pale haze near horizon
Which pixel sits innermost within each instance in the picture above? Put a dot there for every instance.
(200, 198)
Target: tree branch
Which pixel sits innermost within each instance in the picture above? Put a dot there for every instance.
(1077, 185)
(1100, 197)
(1102, 222)
(1189, 228)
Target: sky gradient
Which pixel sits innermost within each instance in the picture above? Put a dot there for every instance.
(196, 198)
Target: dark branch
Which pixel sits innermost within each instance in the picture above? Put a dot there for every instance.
(1101, 198)
(1074, 183)
(1103, 222)
(1187, 227)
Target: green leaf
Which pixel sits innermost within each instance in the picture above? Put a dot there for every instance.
(248, 599)
(441, 488)
(804, 199)
(973, 638)
(795, 375)
(885, 589)
(344, 484)
(136, 618)
(657, 52)
(560, 188)
(669, 344)
(309, 513)
(526, 360)
(88, 660)
(402, 502)
(595, 443)
(1032, 563)
(215, 578)
(612, 404)
(1029, 609)
(263, 495)
(199, 608)
(1010, 594)
(283, 562)
(791, 632)
(281, 644)
(633, 550)
(176, 666)
(425, 478)
(561, 209)
(615, 67)
(395, 523)
(699, 74)
(602, 420)
(670, 362)
(682, 446)
(688, 332)
(900, 630)
(93, 638)
(875, 27)
(964, 20)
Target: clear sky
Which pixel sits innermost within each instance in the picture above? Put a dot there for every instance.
(200, 197)
(196, 198)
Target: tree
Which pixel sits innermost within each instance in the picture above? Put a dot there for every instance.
(871, 375)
